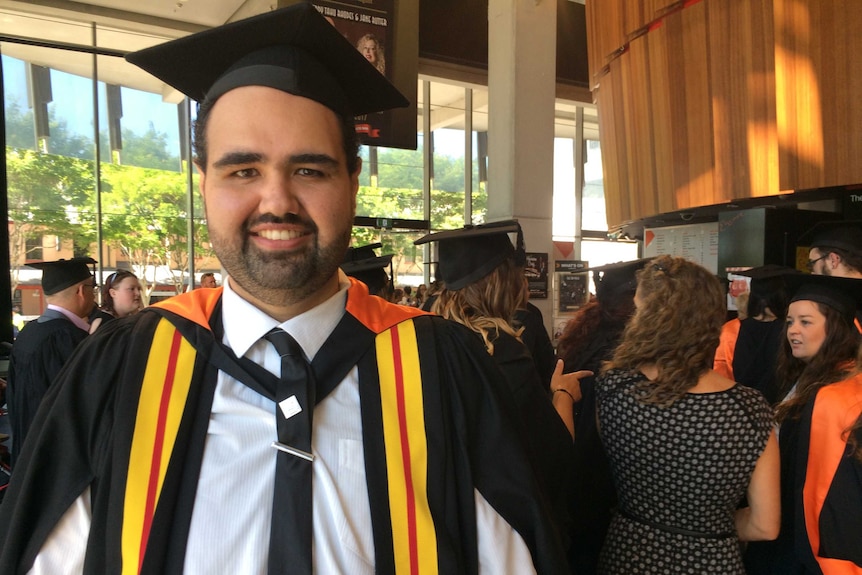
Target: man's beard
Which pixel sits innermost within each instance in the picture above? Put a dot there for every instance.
(280, 277)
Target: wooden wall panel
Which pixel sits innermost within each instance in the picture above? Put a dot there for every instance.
(605, 32)
(691, 65)
(819, 79)
(660, 90)
(743, 99)
(611, 130)
(729, 99)
(639, 129)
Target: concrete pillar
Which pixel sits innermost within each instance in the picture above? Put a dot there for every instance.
(522, 44)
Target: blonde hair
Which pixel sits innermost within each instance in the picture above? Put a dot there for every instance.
(488, 305)
(676, 328)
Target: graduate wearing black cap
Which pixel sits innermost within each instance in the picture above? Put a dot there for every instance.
(369, 437)
(587, 341)
(820, 349)
(747, 353)
(44, 345)
(835, 248)
(365, 265)
(483, 286)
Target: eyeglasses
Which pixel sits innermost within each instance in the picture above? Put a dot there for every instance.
(811, 263)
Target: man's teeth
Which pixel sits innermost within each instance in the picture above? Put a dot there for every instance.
(279, 234)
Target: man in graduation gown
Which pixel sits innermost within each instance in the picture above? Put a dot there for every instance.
(161, 449)
(45, 344)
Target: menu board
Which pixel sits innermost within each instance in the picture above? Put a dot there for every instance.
(694, 242)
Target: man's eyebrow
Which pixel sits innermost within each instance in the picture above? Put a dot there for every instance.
(311, 158)
(237, 158)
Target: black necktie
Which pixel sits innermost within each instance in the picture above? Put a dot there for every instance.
(290, 540)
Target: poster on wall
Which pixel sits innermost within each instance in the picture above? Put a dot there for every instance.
(369, 26)
(573, 291)
(536, 272)
(572, 283)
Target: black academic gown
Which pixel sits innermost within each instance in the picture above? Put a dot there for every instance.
(593, 496)
(828, 483)
(547, 436)
(755, 354)
(39, 353)
(89, 420)
(535, 337)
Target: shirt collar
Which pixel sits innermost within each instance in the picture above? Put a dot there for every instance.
(245, 324)
(72, 317)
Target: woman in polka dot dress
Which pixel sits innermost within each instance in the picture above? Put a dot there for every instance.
(686, 445)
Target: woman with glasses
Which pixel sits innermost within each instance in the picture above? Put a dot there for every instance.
(685, 444)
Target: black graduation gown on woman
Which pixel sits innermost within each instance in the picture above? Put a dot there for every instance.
(546, 434)
(91, 416)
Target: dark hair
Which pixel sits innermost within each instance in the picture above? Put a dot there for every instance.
(852, 260)
(834, 361)
(349, 138)
(768, 293)
(112, 281)
(610, 313)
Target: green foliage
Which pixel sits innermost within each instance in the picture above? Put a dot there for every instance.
(48, 192)
(145, 214)
(148, 150)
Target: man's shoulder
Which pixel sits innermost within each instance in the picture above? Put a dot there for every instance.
(36, 332)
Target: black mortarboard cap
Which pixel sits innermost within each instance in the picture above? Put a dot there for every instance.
(844, 235)
(616, 278)
(842, 294)
(58, 275)
(363, 258)
(292, 49)
(467, 255)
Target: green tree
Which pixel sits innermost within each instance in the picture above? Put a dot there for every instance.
(148, 150)
(144, 214)
(48, 194)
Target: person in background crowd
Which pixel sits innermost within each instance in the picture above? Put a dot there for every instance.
(482, 275)
(749, 356)
(286, 421)
(407, 298)
(208, 280)
(44, 345)
(819, 348)
(121, 297)
(831, 434)
(662, 412)
(421, 295)
(363, 264)
(588, 340)
(836, 249)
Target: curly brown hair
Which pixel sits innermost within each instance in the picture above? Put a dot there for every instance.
(676, 328)
(488, 305)
(834, 361)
